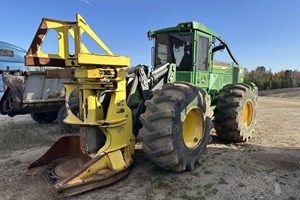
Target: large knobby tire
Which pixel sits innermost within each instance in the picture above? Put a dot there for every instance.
(44, 118)
(4, 103)
(235, 112)
(176, 126)
(62, 114)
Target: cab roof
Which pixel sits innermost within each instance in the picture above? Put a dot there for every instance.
(192, 25)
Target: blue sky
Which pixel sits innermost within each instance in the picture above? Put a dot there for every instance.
(259, 32)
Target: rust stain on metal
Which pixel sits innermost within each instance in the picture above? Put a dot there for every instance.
(64, 147)
(60, 73)
(31, 58)
(68, 165)
(14, 81)
(83, 146)
(56, 95)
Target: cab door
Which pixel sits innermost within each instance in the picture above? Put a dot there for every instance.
(201, 59)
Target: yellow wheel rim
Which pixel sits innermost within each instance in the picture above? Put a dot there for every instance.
(248, 113)
(193, 128)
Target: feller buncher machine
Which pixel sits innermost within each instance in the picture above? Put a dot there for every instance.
(172, 108)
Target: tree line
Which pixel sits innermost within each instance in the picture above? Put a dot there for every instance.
(266, 79)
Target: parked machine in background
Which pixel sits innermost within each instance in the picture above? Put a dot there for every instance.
(37, 91)
(11, 58)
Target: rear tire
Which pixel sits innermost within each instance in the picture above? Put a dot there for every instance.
(4, 103)
(62, 114)
(44, 118)
(176, 126)
(235, 112)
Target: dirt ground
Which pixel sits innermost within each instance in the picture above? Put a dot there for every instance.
(266, 167)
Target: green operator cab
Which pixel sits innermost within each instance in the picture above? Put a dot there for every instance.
(191, 46)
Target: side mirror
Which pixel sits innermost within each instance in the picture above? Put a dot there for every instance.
(218, 48)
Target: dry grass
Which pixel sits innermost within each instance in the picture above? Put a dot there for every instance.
(22, 136)
(227, 171)
(291, 93)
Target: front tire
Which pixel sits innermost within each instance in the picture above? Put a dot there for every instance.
(235, 112)
(176, 126)
(44, 118)
(62, 114)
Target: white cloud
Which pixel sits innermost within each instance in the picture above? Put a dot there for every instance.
(87, 2)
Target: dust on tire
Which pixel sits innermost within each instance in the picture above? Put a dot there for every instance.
(162, 126)
(229, 120)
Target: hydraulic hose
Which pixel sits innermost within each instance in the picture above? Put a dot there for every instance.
(228, 50)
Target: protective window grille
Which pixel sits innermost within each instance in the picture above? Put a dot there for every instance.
(202, 57)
